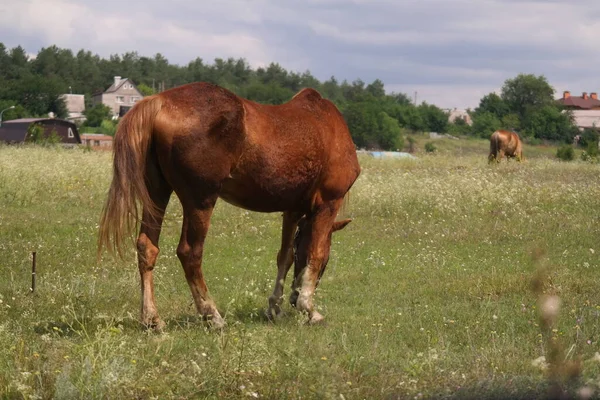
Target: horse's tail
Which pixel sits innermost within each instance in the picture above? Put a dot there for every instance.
(128, 188)
(494, 146)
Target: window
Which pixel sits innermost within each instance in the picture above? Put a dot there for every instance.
(120, 99)
(133, 99)
(71, 133)
(96, 143)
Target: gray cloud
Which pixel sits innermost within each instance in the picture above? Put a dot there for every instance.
(451, 51)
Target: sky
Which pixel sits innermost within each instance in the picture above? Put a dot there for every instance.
(448, 52)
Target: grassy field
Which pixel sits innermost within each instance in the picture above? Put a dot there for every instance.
(428, 293)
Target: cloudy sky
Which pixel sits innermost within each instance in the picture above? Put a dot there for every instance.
(451, 52)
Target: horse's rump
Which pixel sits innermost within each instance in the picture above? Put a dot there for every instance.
(505, 143)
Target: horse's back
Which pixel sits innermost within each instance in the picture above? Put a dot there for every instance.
(263, 157)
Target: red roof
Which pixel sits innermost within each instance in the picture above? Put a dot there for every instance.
(580, 102)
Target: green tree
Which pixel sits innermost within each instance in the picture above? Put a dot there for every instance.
(376, 89)
(484, 124)
(96, 114)
(5, 62)
(459, 127)
(39, 95)
(527, 92)
(550, 123)
(331, 90)
(565, 152)
(271, 93)
(363, 124)
(19, 63)
(511, 122)
(145, 89)
(589, 136)
(411, 118)
(309, 81)
(12, 113)
(87, 73)
(108, 127)
(354, 92)
(435, 119)
(400, 98)
(53, 62)
(389, 136)
(492, 103)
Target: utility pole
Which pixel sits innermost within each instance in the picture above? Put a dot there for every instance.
(415, 97)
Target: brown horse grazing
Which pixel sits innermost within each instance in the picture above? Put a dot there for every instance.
(203, 142)
(505, 143)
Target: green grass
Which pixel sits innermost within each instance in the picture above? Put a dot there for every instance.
(427, 292)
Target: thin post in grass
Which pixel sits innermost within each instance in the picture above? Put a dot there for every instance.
(33, 272)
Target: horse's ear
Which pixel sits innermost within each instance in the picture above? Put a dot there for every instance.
(337, 225)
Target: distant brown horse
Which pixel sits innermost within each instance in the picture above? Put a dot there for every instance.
(203, 142)
(505, 143)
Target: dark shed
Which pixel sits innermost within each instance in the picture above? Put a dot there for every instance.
(15, 131)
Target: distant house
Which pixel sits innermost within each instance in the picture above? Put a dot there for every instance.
(585, 109)
(97, 140)
(75, 107)
(586, 118)
(16, 130)
(583, 102)
(454, 114)
(119, 97)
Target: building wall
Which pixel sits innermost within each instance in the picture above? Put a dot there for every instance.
(68, 132)
(126, 95)
(96, 140)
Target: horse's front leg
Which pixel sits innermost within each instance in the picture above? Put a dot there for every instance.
(318, 247)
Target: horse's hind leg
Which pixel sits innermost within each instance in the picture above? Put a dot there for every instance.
(196, 221)
(147, 246)
(318, 253)
(501, 156)
(285, 259)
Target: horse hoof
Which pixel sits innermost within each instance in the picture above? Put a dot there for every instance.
(316, 319)
(274, 309)
(272, 313)
(216, 323)
(156, 325)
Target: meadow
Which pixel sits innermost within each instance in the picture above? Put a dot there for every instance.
(433, 291)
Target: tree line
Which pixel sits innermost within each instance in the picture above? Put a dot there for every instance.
(377, 120)
(526, 105)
